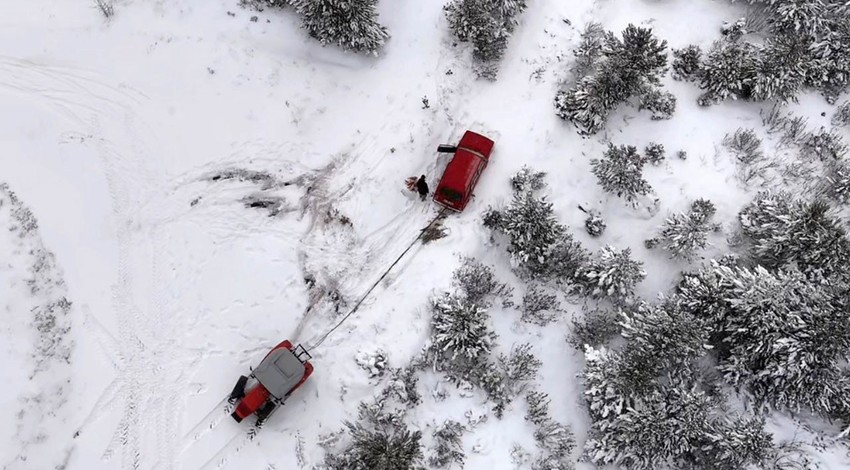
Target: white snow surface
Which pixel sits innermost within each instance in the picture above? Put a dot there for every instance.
(110, 132)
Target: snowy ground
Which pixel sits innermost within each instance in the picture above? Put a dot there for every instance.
(112, 134)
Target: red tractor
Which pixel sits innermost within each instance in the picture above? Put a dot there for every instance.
(279, 374)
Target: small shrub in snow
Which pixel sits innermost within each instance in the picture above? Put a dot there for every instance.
(556, 439)
(734, 31)
(687, 63)
(745, 145)
(662, 104)
(402, 387)
(595, 225)
(842, 115)
(782, 230)
(518, 368)
(651, 243)
(837, 181)
(566, 259)
(537, 404)
(448, 447)
(685, 234)
(682, 155)
(620, 171)
(478, 282)
(589, 49)
(596, 328)
(373, 362)
(654, 153)
(538, 306)
(106, 8)
(350, 24)
(627, 67)
(527, 179)
(613, 274)
(823, 145)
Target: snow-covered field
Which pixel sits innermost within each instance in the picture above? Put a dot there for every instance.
(140, 143)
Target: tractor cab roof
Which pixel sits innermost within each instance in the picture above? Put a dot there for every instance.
(280, 372)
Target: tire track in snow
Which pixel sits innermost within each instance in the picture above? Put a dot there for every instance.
(144, 361)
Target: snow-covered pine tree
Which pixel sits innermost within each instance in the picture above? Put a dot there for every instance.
(654, 153)
(461, 338)
(727, 70)
(478, 283)
(841, 117)
(530, 225)
(377, 447)
(779, 69)
(782, 230)
(824, 145)
(620, 171)
(687, 63)
(660, 339)
(448, 447)
(594, 224)
(613, 274)
(836, 185)
(537, 407)
(589, 49)
(683, 235)
(627, 67)
(350, 24)
(596, 328)
(782, 336)
(539, 306)
(527, 179)
(662, 104)
(487, 24)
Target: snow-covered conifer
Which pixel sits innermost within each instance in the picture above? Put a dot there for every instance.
(620, 171)
(782, 230)
(627, 67)
(539, 306)
(727, 70)
(589, 49)
(662, 104)
(379, 447)
(612, 273)
(530, 225)
(537, 404)
(487, 24)
(594, 224)
(687, 63)
(823, 145)
(654, 153)
(837, 182)
(841, 117)
(745, 144)
(461, 338)
(448, 447)
(526, 179)
(683, 235)
(734, 31)
(351, 24)
(478, 282)
(595, 328)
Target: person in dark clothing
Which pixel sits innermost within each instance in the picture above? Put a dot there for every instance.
(422, 187)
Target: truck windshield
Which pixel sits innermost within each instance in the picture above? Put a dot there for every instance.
(452, 195)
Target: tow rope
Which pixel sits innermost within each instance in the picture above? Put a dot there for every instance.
(318, 343)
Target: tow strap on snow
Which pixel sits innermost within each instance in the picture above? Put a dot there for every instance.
(422, 232)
